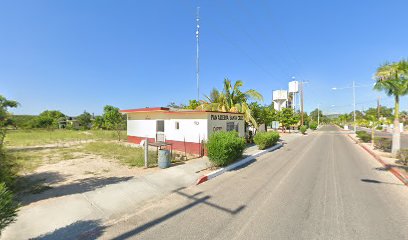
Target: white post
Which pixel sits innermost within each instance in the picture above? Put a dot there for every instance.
(354, 106)
(146, 156)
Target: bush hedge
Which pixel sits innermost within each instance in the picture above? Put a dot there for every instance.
(303, 129)
(224, 148)
(364, 136)
(266, 139)
(313, 125)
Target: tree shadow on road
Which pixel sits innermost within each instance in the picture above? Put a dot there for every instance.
(378, 182)
(196, 200)
(90, 229)
(48, 190)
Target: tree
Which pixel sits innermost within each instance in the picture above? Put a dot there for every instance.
(192, 104)
(114, 120)
(5, 116)
(262, 114)
(288, 117)
(393, 79)
(84, 120)
(98, 123)
(49, 119)
(8, 207)
(232, 99)
(382, 112)
(174, 105)
(373, 122)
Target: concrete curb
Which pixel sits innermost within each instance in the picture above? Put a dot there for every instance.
(235, 165)
(396, 173)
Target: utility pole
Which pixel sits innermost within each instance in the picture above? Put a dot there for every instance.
(379, 107)
(354, 105)
(198, 56)
(301, 102)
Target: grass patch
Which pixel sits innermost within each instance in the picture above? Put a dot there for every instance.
(131, 156)
(28, 161)
(40, 136)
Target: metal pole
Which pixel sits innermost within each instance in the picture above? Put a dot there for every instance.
(301, 102)
(198, 56)
(146, 156)
(354, 105)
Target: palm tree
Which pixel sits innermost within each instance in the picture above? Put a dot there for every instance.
(231, 99)
(393, 79)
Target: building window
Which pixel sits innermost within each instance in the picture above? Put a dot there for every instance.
(160, 126)
(177, 125)
(230, 126)
(236, 127)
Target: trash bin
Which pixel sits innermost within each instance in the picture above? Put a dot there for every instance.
(164, 158)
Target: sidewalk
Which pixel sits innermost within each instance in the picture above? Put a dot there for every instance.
(102, 204)
(74, 214)
(389, 163)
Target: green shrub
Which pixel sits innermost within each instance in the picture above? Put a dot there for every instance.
(8, 170)
(303, 129)
(224, 148)
(313, 125)
(8, 207)
(364, 136)
(379, 127)
(403, 156)
(266, 139)
(383, 144)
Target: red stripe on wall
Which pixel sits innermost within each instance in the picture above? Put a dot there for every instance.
(188, 147)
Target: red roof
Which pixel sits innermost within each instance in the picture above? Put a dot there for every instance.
(168, 110)
(153, 109)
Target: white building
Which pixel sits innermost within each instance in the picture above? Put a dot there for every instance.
(186, 130)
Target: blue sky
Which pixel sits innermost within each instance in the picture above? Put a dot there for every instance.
(81, 55)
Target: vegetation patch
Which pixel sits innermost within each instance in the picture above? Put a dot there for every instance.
(364, 136)
(225, 147)
(41, 136)
(403, 156)
(383, 144)
(266, 139)
(313, 125)
(8, 207)
(131, 156)
(303, 129)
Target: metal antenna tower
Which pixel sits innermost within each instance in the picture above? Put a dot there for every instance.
(198, 56)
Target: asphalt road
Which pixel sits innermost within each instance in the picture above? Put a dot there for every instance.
(321, 186)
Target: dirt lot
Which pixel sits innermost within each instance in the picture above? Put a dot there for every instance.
(54, 170)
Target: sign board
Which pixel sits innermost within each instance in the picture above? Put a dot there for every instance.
(294, 87)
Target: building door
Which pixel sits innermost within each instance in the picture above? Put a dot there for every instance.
(160, 131)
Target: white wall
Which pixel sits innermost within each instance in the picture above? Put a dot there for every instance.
(190, 130)
(192, 126)
(141, 128)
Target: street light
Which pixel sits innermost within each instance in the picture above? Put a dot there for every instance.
(354, 99)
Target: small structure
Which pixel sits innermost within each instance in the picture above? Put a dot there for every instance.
(185, 130)
(280, 99)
